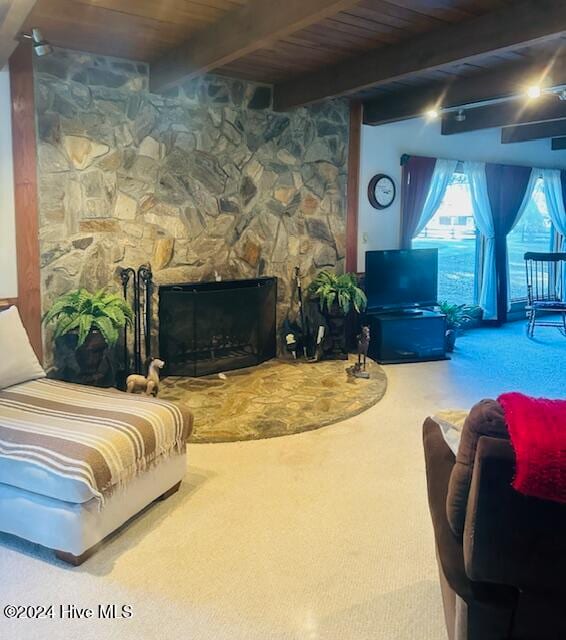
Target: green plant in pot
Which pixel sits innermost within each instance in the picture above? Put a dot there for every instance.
(337, 295)
(458, 318)
(93, 321)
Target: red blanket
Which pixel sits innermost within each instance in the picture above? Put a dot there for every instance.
(538, 434)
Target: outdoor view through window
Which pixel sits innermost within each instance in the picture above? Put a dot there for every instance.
(531, 233)
(453, 232)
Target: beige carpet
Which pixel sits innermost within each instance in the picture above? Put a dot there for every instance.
(323, 535)
(276, 398)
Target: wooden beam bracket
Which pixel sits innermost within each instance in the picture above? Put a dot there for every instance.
(353, 185)
(537, 131)
(558, 144)
(25, 193)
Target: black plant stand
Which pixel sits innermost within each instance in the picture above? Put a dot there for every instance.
(337, 343)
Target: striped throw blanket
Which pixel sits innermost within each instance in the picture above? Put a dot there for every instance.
(98, 437)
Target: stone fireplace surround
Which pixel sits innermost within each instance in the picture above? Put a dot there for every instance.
(205, 180)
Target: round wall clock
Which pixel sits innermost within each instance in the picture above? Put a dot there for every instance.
(381, 191)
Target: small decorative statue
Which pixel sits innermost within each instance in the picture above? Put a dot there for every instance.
(150, 385)
(359, 369)
(363, 346)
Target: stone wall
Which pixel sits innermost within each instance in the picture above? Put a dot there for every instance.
(206, 180)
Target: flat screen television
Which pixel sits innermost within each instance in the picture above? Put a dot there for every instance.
(401, 279)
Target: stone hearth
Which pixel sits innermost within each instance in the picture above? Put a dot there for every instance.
(276, 398)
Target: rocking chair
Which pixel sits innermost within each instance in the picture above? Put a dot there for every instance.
(546, 290)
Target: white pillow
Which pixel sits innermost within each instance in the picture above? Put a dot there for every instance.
(451, 423)
(18, 362)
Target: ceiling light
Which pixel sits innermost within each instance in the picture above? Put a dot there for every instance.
(40, 45)
(432, 114)
(534, 91)
(460, 116)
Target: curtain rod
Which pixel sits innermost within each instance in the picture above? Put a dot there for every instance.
(406, 156)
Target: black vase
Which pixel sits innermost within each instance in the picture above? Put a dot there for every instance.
(336, 339)
(91, 354)
(450, 340)
(88, 364)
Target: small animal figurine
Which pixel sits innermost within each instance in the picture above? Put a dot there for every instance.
(150, 386)
(363, 346)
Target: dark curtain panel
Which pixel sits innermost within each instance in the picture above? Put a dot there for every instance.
(506, 186)
(416, 179)
(563, 181)
(560, 240)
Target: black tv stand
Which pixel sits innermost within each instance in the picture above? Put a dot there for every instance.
(406, 335)
(403, 311)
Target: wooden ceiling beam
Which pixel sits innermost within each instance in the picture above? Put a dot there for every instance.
(558, 144)
(504, 82)
(537, 131)
(513, 112)
(240, 32)
(13, 14)
(518, 24)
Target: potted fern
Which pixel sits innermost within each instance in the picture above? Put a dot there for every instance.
(93, 322)
(337, 295)
(458, 317)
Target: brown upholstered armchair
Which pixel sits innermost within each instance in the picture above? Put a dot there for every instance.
(501, 555)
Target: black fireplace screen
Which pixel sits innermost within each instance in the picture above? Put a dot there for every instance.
(209, 327)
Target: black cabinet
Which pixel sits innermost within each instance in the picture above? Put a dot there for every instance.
(407, 336)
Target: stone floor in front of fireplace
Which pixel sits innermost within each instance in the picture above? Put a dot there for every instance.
(275, 398)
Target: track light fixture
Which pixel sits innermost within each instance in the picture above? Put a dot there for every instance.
(40, 45)
(460, 116)
(532, 92)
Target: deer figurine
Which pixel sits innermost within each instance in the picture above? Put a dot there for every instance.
(363, 346)
(150, 385)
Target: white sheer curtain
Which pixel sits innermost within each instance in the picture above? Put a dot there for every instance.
(483, 217)
(556, 207)
(443, 172)
(535, 175)
(554, 199)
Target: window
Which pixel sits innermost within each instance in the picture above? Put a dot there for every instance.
(453, 232)
(533, 232)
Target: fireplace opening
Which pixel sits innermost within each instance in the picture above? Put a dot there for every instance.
(209, 327)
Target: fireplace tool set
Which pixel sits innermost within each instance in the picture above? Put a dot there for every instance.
(140, 283)
(301, 338)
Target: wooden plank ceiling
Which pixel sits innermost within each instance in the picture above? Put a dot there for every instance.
(135, 29)
(369, 25)
(146, 29)
(314, 41)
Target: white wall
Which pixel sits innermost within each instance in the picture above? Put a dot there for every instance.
(383, 146)
(8, 280)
